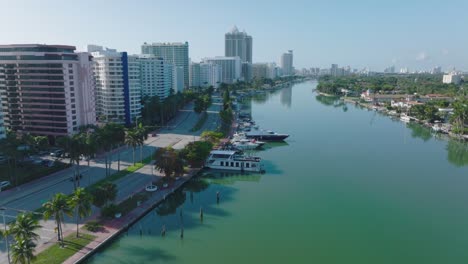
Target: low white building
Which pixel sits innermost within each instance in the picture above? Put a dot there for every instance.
(231, 68)
(452, 78)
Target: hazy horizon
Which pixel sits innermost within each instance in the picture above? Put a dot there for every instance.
(417, 34)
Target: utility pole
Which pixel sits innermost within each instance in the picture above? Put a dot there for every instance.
(5, 235)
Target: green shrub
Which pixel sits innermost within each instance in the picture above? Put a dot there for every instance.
(93, 226)
(109, 211)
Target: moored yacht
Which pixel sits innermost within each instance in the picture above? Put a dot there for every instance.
(405, 118)
(245, 144)
(266, 135)
(233, 160)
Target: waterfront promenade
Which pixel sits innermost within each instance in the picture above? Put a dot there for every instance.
(112, 228)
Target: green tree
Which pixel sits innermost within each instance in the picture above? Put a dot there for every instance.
(81, 201)
(22, 251)
(57, 207)
(196, 152)
(103, 194)
(459, 118)
(211, 136)
(24, 227)
(168, 162)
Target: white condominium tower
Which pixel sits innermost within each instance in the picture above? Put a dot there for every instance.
(155, 76)
(46, 89)
(118, 88)
(287, 63)
(205, 74)
(174, 53)
(231, 68)
(2, 126)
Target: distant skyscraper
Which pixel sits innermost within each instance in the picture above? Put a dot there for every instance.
(210, 75)
(238, 44)
(287, 63)
(174, 53)
(46, 89)
(194, 73)
(334, 70)
(231, 68)
(118, 86)
(155, 76)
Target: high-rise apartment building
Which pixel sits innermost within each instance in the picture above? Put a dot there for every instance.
(178, 79)
(287, 63)
(118, 89)
(155, 76)
(174, 53)
(231, 68)
(259, 70)
(194, 73)
(238, 44)
(46, 89)
(2, 126)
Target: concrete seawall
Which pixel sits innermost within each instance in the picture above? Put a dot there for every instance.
(113, 228)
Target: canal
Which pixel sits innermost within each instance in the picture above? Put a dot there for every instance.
(348, 186)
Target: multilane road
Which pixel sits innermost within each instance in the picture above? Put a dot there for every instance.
(32, 195)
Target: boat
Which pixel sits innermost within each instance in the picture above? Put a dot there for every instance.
(245, 144)
(405, 118)
(237, 137)
(267, 135)
(233, 160)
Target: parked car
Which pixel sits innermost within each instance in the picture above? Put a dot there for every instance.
(4, 184)
(56, 153)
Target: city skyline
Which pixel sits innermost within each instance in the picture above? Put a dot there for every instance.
(417, 35)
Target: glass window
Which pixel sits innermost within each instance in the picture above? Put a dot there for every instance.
(232, 164)
(247, 165)
(237, 164)
(222, 163)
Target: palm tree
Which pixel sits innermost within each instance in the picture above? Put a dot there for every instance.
(57, 208)
(23, 251)
(141, 131)
(133, 139)
(81, 201)
(24, 226)
(22, 230)
(77, 149)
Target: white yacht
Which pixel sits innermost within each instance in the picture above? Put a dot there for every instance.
(405, 118)
(240, 137)
(233, 160)
(245, 144)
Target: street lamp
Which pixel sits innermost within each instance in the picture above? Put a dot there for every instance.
(5, 235)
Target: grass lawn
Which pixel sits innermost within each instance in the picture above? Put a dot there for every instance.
(55, 254)
(201, 121)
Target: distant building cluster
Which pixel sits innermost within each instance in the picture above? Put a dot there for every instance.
(52, 90)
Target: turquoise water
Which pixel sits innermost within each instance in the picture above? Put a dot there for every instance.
(348, 186)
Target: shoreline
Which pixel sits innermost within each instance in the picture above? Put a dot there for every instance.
(114, 227)
(463, 138)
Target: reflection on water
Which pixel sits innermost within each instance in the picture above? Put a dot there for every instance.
(286, 96)
(332, 101)
(457, 153)
(419, 131)
(230, 177)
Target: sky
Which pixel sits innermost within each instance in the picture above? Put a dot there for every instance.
(418, 34)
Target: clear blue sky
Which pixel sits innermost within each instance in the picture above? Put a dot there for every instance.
(417, 34)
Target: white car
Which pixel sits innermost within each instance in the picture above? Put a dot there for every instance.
(4, 184)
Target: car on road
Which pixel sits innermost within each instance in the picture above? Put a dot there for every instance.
(4, 184)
